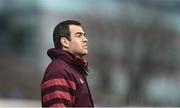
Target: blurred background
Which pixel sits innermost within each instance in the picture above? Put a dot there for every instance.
(134, 52)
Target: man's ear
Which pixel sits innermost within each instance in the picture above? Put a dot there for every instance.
(64, 42)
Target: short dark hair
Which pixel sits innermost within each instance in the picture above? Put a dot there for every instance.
(62, 30)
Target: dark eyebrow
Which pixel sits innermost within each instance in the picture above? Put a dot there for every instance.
(81, 33)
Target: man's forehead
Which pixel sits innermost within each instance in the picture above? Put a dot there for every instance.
(76, 28)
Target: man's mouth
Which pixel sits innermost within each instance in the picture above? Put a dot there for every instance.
(85, 46)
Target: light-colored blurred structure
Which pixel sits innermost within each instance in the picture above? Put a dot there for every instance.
(19, 103)
(134, 48)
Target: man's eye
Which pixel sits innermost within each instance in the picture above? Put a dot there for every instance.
(78, 35)
(84, 35)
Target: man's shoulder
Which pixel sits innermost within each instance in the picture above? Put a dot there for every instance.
(58, 66)
(55, 65)
(57, 69)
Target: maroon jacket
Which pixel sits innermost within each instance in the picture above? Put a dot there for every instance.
(64, 82)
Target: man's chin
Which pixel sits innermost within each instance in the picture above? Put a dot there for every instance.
(84, 53)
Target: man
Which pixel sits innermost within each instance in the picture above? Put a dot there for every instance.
(64, 83)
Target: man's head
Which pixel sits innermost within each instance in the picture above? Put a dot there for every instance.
(69, 35)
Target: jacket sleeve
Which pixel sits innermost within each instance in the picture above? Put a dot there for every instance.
(58, 91)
